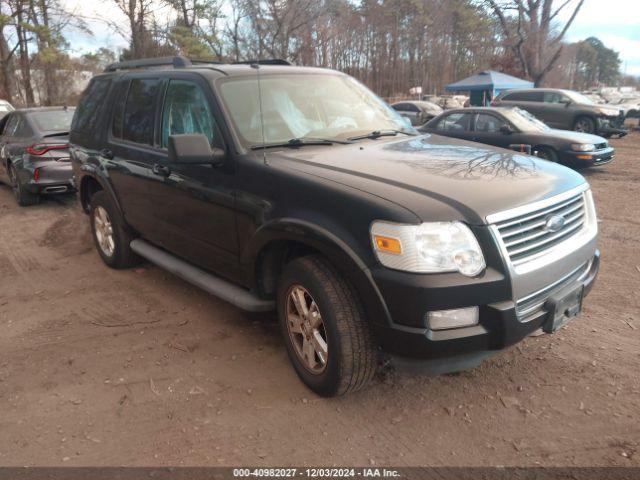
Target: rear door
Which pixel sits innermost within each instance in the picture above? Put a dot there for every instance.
(529, 100)
(132, 152)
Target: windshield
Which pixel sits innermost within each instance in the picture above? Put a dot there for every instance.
(524, 121)
(326, 106)
(53, 120)
(579, 98)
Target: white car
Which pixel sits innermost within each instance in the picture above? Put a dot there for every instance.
(5, 108)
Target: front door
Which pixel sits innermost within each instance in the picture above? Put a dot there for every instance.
(198, 207)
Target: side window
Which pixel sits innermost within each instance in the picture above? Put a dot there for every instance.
(11, 125)
(487, 123)
(187, 110)
(524, 97)
(455, 122)
(23, 129)
(412, 108)
(89, 107)
(400, 107)
(120, 95)
(552, 97)
(139, 110)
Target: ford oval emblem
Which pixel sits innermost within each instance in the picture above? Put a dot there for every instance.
(554, 223)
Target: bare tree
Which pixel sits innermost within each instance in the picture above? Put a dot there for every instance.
(528, 29)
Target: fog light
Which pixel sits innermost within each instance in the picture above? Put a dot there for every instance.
(456, 318)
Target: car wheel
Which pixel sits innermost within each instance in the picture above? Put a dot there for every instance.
(109, 234)
(23, 196)
(584, 125)
(327, 336)
(546, 153)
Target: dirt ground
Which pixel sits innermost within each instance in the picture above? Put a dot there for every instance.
(104, 367)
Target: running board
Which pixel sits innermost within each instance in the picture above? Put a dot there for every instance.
(223, 289)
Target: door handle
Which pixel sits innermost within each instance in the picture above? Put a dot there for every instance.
(106, 153)
(161, 170)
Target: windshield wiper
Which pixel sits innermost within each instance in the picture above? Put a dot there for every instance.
(301, 142)
(380, 133)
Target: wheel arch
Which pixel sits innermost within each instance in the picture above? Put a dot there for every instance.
(89, 185)
(280, 242)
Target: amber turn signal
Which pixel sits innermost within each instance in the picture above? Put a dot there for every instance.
(387, 245)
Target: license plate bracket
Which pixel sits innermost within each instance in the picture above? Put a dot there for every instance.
(563, 306)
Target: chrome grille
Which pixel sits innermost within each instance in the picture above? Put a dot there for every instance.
(527, 235)
(531, 305)
(600, 146)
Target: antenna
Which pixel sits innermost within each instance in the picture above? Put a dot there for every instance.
(264, 142)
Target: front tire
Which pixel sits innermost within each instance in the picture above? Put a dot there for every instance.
(328, 339)
(109, 233)
(546, 153)
(584, 125)
(22, 196)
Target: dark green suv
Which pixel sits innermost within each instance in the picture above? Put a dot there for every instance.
(297, 189)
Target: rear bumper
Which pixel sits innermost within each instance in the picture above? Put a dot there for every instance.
(599, 157)
(499, 327)
(49, 178)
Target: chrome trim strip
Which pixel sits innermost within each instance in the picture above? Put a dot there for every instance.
(532, 207)
(550, 288)
(535, 235)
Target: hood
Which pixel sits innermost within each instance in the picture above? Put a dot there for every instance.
(578, 137)
(608, 110)
(437, 178)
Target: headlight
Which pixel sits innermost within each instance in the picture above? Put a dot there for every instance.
(608, 112)
(583, 147)
(428, 248)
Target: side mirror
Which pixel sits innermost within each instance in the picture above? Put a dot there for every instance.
(506, 129)
(194, 149)
(566, 102)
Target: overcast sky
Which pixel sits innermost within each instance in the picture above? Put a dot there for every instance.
(615, 22)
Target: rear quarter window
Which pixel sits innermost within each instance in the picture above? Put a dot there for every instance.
(91, 105)
(139, 110)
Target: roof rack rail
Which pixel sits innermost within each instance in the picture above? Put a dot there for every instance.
(266, 61)
(176, 62)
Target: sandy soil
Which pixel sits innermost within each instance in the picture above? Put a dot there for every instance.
(103, 367)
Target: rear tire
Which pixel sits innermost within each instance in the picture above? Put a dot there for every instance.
(335, 317)
(584, 125)
(109, 233)
(22, 196)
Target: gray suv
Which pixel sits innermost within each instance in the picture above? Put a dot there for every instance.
(566, 110)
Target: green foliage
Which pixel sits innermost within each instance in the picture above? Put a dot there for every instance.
(595, 64)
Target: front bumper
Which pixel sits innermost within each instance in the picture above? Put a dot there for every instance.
(499, 327)
(612, 126)
(587, 159)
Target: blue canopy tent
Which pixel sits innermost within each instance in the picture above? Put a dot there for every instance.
(484, 86)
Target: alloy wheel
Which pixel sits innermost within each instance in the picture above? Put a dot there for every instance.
(306, 329)
(104, 231)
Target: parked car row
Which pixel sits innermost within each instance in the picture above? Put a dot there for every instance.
(298, 190)
(516, 129)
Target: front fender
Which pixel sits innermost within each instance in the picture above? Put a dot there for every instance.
(341, 255)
